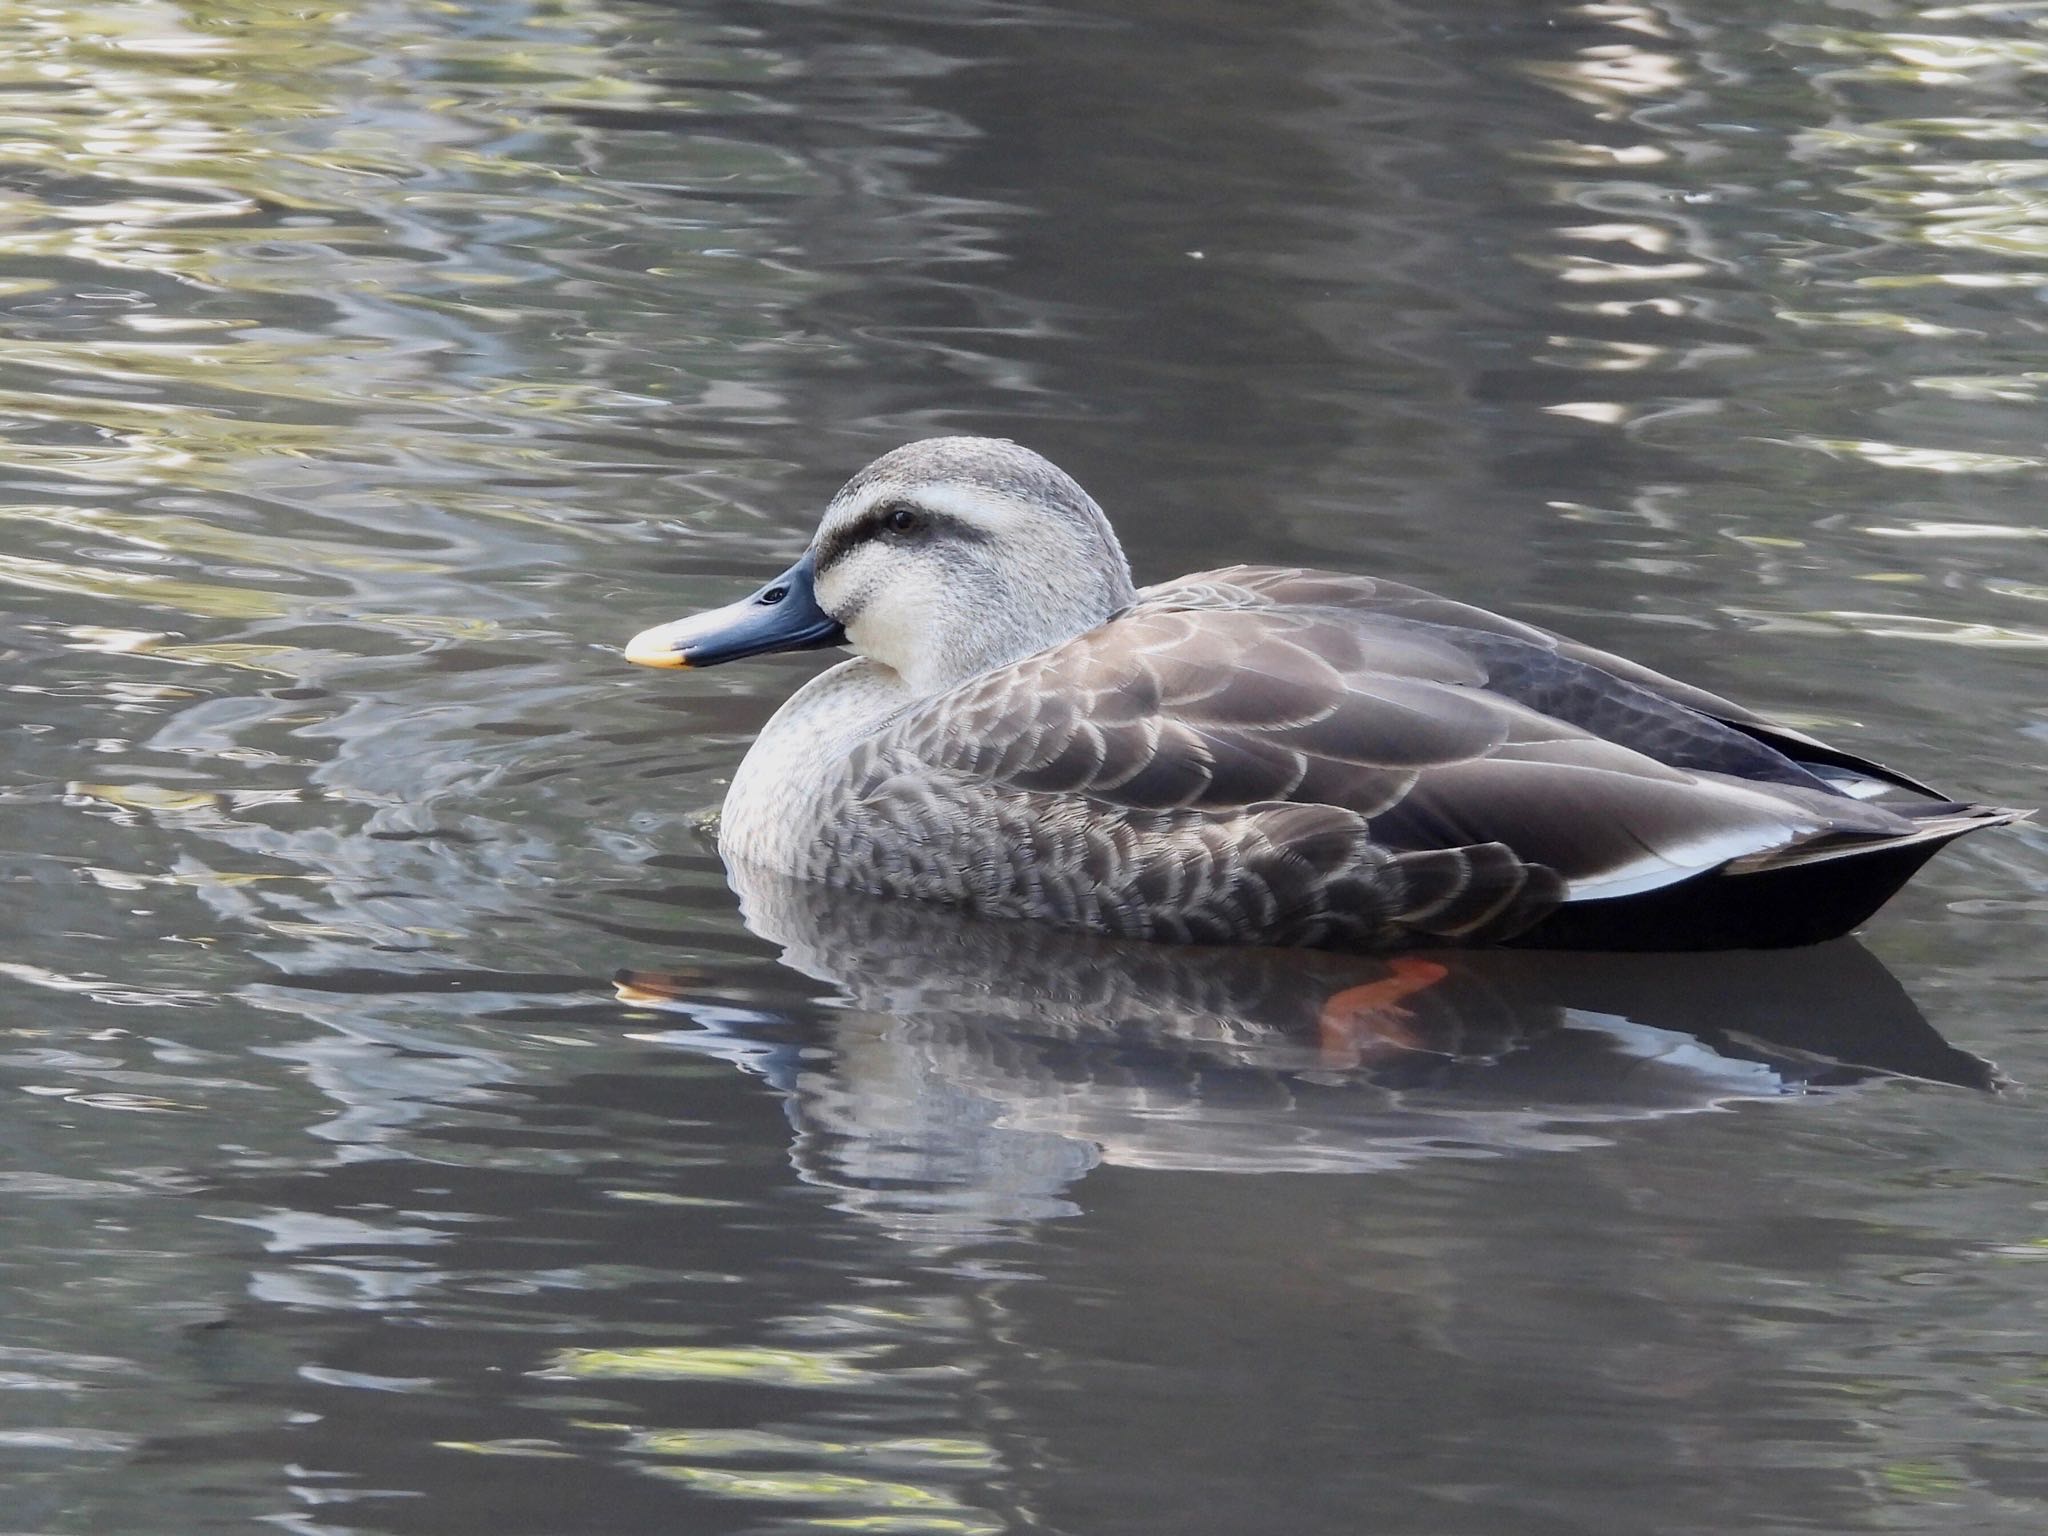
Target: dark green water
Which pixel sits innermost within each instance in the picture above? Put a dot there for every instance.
(370, 369)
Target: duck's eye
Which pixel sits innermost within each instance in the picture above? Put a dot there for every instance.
(902, 519)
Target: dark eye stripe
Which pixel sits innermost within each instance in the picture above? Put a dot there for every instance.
(875, 522)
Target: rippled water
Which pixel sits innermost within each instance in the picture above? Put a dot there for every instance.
(403, 1130)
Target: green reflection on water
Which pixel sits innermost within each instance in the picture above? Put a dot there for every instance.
(358, 258)
(759, 1365)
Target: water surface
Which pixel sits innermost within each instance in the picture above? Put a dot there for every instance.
(405, 1128)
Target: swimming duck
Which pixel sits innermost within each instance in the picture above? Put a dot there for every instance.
(1261, 755)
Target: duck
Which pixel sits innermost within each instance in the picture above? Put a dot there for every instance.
(1262, 755)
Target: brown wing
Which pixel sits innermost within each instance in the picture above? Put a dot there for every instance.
(1285, 776)
(1606, 694)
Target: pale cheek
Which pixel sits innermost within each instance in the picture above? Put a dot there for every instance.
(850, 592)
(898, 625)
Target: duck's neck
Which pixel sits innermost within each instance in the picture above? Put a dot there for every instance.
(771, 811)
(1007, 630)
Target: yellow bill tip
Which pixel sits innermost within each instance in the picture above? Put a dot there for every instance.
(653, 648)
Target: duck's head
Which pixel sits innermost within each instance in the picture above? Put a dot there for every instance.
(938, 561)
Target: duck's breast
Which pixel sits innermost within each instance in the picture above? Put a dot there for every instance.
(793, 775)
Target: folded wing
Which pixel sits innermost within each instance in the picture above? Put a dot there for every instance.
(1283, 770)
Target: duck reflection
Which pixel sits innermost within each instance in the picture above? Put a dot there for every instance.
(981, 1068)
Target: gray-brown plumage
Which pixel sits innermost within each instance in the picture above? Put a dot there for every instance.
(1260, 755)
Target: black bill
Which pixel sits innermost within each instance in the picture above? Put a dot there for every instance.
(782, 616)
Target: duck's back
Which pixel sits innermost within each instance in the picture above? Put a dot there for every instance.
(1603, 693)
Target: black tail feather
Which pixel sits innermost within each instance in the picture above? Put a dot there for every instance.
(1770, 906)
